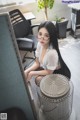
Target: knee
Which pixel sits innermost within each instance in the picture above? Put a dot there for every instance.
(37, 81)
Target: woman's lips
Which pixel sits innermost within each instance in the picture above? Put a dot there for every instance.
(42, 42)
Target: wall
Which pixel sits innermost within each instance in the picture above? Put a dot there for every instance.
(13, 88)
(59, 9)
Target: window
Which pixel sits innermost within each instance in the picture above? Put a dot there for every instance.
(13, 2)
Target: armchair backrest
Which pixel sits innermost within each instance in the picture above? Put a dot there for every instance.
(21, 26)
(13, 90)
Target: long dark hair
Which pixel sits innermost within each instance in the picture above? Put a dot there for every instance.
(50, 27)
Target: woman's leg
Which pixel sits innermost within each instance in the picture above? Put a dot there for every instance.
(38, 80)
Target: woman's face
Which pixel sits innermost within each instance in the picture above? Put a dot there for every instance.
(43, 37)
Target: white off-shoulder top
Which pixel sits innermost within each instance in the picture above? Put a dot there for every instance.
(50, 60)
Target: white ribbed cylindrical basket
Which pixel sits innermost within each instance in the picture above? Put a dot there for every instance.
(56, 97)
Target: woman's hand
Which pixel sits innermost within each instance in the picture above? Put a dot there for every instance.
(30, 75)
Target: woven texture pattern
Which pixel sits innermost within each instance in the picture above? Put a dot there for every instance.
(54, 85)
(56, 97)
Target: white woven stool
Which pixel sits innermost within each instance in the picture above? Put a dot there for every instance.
(56, 96)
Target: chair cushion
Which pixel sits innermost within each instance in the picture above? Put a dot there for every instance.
(25, 44)
(32, 37)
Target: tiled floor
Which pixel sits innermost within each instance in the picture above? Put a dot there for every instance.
(68, 41)
(70, 50)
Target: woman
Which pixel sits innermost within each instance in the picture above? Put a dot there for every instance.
(48, 57)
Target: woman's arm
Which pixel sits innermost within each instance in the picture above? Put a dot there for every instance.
(42, 72)
(39, 73)
(33, 67)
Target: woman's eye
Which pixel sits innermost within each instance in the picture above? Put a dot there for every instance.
(40, 34)
(47, 36)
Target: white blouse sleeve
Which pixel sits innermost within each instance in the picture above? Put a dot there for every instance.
(52, 60)
(37, 52)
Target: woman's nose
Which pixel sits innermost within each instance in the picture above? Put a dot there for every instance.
(42, 37)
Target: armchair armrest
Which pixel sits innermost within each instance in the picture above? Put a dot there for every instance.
(36, 25)
(24, 39)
